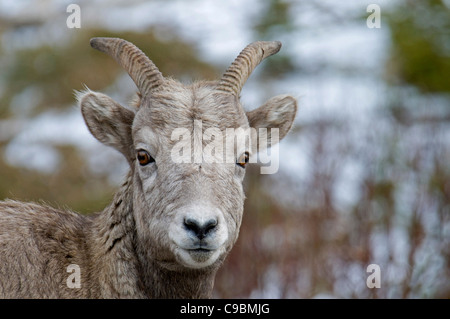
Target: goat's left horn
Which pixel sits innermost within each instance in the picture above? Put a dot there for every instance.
(141, 69)
(237, 74)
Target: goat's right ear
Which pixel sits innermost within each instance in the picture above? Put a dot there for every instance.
(108, 121)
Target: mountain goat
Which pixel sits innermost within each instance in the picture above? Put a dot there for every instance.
(171, 224)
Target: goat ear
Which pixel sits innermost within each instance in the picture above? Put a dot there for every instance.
(108, 121)
(277, 113)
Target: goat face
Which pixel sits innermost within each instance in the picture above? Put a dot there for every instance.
(193, 208)
(187, 209)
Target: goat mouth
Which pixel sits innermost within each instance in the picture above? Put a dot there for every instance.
(200, 255)
(200, 251)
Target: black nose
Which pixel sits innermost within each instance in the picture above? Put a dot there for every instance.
(200, 230)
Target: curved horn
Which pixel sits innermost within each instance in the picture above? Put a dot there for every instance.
(237, 74)
(140, 68)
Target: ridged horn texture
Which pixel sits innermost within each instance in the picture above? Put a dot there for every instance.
(141, 69)
(237, 74)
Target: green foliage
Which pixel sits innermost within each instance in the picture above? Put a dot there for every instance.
(420, 53)
(275, 20)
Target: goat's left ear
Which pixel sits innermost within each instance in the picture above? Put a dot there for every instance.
(108, 121)
(278, 112)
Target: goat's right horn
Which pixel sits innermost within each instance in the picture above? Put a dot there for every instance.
(141, 69)
(237, 74)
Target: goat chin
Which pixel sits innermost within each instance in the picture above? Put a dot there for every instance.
(198, 259)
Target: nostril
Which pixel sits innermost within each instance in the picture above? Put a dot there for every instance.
(200, 230)
(210, 225)
(192, 224)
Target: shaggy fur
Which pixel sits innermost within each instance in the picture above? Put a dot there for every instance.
(141, 245)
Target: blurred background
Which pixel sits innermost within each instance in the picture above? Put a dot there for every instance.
(364, 177)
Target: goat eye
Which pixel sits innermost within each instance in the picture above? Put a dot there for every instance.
(243, 160)
(144, 158)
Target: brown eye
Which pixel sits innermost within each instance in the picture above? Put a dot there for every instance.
(243, 160)
(144, 158)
